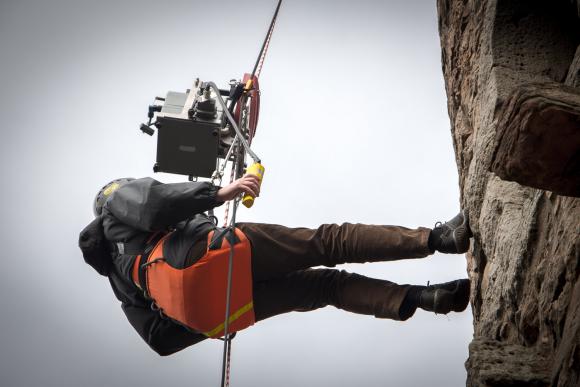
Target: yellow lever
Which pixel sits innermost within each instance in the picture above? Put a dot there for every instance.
(258, 170)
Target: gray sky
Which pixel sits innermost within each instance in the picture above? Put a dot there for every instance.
(353, 127)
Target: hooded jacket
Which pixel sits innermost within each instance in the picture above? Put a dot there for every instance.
(130, 215)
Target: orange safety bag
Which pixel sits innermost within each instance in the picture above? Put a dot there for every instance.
(196, 296)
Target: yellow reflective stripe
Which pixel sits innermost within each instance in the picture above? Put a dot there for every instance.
(233, 317)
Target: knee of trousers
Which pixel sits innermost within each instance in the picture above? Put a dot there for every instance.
(371, 296)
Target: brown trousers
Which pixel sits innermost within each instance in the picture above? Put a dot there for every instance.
(282, 258)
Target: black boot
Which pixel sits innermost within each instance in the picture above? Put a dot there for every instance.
(446, 297)
(451, 237)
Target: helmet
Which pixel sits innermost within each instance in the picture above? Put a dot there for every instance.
(106, 191)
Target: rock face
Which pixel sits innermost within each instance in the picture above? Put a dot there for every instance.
(512, 72)
(538, 138)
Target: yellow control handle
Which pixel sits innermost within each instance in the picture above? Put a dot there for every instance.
(258, 170)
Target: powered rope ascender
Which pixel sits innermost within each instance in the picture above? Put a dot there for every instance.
(203, 130)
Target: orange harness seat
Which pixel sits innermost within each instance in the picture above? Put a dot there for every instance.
(196, 296)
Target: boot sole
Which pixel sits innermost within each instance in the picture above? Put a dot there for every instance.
(461, 235)
(461, 295)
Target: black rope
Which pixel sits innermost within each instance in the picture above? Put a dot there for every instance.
(266, 39)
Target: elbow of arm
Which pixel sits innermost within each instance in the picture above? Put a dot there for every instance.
(161, 348)
(162, 351)
(173, 338)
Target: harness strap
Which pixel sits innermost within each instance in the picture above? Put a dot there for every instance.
(129, 248)
(217, 239)
(141, 261)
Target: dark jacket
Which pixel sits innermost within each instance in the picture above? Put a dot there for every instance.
(130, 215)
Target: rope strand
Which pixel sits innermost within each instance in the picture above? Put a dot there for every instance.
(263, 56)
(237, 165)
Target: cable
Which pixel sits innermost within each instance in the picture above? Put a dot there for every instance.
(243, 140)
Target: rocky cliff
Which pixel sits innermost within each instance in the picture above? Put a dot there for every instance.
(512, 76)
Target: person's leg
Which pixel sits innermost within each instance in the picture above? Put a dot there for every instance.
(277, 250)
(310, 289)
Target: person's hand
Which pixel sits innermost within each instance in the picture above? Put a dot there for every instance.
(248, 184)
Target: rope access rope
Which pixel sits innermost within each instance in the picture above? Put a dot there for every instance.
(232, 227)
(267, 44)
(266, 40)
(231, 235)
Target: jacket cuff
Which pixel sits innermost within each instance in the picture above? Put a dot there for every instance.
(212, 194)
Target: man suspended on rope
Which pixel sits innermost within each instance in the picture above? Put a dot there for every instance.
(167, 263)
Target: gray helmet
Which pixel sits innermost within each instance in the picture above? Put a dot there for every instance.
(106, 191)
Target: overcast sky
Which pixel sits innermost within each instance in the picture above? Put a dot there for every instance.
(353, 128)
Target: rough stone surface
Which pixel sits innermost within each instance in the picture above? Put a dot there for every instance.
(538, 138)
(491, 361)
(573, 77)
(524, 262)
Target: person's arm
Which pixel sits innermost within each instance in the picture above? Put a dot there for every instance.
(149, 205)
(163, 336)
